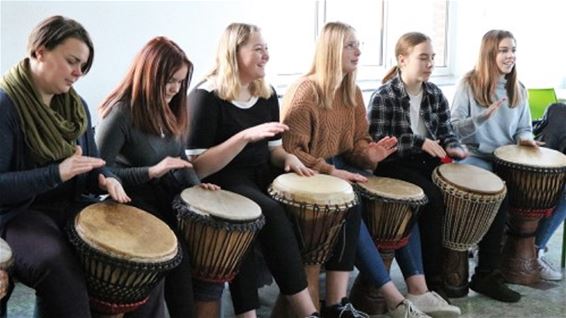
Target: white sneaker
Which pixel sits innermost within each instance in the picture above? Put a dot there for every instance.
(547, 271)
(406, 309)
(434, 305)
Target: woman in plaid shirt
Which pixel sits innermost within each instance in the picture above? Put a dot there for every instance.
(415, 111)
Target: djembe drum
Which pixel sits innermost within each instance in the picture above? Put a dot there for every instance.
(390, 211)
(472, 197)
(318, 206)
(219, 227)
(6, 256)
(535, 178)
(124, 252)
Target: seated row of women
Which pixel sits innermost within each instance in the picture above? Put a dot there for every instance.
(51, 167)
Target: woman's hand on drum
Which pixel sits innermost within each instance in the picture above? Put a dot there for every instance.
(292, 163)
(209, 186)
(114, 188)
(433, 148)
(457, 152)
(530, 143)
(380, 150)
(77, 164)
(3, 283)
(166, 165)
(348, 176)
(263, 131)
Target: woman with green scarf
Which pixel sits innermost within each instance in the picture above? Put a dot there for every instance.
(49, 168)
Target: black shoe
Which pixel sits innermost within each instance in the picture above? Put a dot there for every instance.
(344, 309)
(492, 285)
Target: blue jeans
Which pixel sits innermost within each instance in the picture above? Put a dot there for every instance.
(548, 226)
(368, 259)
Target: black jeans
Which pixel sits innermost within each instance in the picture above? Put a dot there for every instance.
(276, 239)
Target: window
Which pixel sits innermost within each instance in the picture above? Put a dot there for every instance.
(379, 23)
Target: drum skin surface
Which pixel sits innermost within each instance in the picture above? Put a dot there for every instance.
(319, 189)
(471, 178)
(221, 204)
(392, 189)
(531, 156)
(126, 232)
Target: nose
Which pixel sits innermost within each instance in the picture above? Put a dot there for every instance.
(77, 71)
(175, 87)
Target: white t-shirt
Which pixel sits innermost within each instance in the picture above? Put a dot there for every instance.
(417, 123)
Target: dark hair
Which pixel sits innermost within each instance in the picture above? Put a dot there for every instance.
(143, 89)
(55, 30)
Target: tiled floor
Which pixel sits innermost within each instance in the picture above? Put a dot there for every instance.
(546, 300)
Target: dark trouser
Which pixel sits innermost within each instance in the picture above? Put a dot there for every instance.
(178, 286)
(46, 261)
(277, 240)
(417, 169)
(490, 250)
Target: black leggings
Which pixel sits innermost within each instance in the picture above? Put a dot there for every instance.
(277, 241)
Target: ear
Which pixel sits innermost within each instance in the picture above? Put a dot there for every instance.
(402, 60)
(40, 53)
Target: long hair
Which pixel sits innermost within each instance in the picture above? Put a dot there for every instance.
(143, 89)
(55, 30)
(225, 72)
(327, 68)
(403, 47)
(484, 77)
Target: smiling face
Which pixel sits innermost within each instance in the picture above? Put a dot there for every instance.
(58, 69)
(252, 57)
(351, 53)
(505, 58)
(419, 63)
(175, 82)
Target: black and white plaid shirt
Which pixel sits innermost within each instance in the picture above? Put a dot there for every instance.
(389, 115)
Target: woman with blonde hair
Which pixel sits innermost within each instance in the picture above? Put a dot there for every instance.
(235, 138)
(415, 111)
(489, 110)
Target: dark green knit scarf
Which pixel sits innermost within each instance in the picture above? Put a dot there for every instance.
(50, 131)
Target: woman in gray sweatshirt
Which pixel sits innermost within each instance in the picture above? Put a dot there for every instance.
(489, 110)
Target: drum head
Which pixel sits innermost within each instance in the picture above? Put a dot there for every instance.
(319, 189)
(531, 156)
(6, 256)
(392, 188)
(126, 232)
(221, 204)
(471, 178)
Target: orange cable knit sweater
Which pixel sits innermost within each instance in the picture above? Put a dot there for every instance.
(316, 134)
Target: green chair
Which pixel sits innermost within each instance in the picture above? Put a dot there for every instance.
(539, 100)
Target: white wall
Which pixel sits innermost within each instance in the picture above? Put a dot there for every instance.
(120, 28)
(538, 27)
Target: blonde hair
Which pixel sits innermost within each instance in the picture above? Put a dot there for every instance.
(225, 72)
(484, 77)
(326, 69)
(403, 47)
